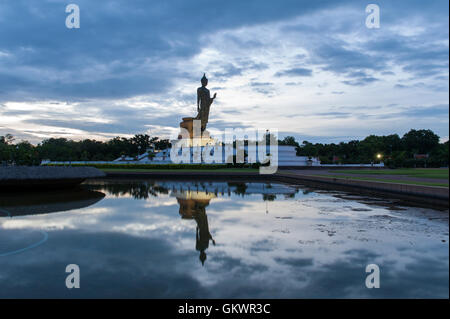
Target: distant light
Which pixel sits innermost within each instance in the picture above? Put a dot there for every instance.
(379, 156)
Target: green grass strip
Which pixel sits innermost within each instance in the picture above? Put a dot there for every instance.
(436, 173)
(242, 170)
(369, 179)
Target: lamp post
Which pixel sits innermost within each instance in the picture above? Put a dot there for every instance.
(379, 156)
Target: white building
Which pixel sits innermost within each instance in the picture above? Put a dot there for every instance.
(286, 157)
(149, 157)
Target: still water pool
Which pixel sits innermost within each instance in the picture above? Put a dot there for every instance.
(176, 239)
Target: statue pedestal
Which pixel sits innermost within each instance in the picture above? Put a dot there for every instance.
(197, 139)
(187, 124)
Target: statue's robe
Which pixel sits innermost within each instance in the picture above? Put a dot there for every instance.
(204, 100)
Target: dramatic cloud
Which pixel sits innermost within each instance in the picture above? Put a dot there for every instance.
(295, 72)
(134, 66)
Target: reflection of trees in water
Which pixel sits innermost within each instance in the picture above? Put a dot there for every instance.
(269, 197)
(146, 189)
(193, 197)
(138, 190)
(240, 188)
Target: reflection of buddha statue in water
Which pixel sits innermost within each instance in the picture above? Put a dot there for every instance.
(203, 236)
(193, 206)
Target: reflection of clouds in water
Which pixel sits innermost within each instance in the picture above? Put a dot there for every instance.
(57, 221)
(308, 237)
(20, 245)
(118, 265)
(148, 250)
(112, 264)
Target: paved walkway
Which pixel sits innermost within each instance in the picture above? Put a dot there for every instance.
(375, 176)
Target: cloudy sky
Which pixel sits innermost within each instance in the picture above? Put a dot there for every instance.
(311, 69)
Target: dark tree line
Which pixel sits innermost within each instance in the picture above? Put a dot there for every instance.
(393, 150)
(62, 149)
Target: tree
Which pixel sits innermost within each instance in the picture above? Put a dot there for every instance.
(6, 149)
(7, 139)
(288, 140)
(396, 151)
(25, 154)
(162, 144)
(143, 141)
(420, 141)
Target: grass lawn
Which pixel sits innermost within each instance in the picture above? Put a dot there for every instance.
(439, 173)
(181, 170)
(386, 180)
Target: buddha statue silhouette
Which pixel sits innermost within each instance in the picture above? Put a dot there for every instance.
(204, 102)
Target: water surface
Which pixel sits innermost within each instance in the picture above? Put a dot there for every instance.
(162, 239)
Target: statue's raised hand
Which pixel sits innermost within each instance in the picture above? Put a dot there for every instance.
(215, 94)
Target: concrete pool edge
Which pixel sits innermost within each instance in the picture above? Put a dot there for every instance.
(19, 178)
(429, 196)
